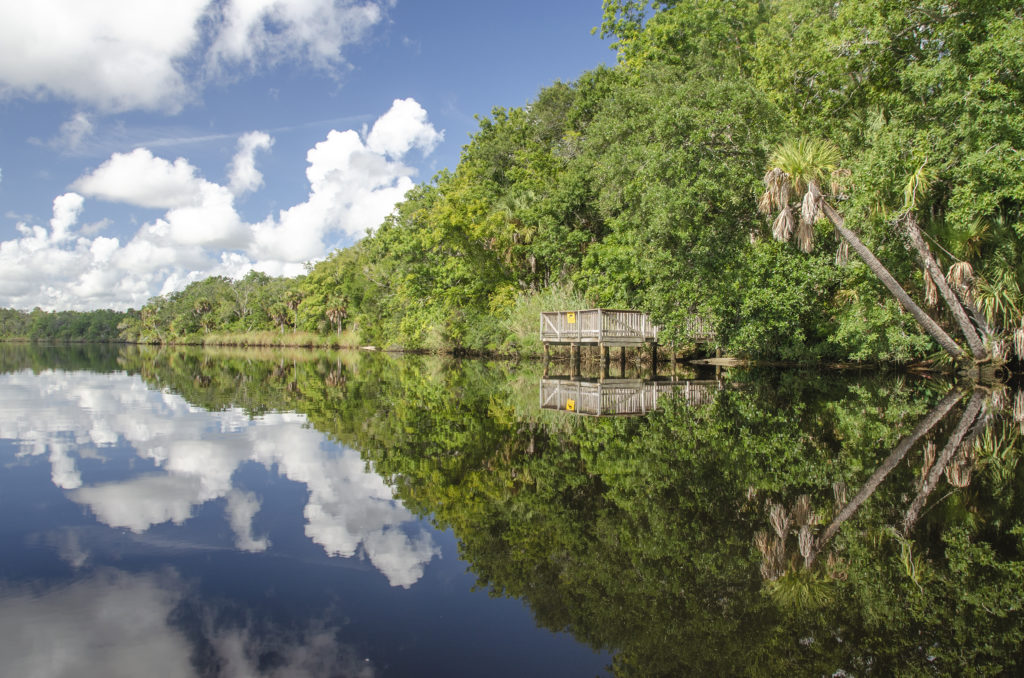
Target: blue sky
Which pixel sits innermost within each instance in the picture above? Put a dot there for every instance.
(146, 144)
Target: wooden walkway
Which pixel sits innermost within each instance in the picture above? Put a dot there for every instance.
(620, 397)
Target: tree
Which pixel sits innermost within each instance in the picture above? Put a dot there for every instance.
(918, 183)
(802, 166)
(337, 312)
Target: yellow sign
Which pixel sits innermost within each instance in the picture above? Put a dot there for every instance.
(570, 318)
(570, 405)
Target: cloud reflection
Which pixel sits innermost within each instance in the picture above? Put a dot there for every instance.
(114, 624)
(194, 455)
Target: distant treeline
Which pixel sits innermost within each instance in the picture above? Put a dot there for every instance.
(39, 325)
(638, 186)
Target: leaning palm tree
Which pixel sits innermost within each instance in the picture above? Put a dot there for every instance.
(802, 167)
(918, 185)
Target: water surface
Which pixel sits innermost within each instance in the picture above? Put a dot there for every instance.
(292, 513)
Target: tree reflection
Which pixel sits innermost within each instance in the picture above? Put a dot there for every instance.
(720, 540)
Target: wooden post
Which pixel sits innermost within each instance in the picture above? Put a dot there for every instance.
(672, 347)
(604, 361)
(547, 358)
(574, 359)
(654, 359)
(622, 361)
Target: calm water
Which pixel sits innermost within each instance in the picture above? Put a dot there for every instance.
(243, 513)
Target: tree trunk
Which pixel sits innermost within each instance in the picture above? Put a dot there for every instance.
(955, 307)
(923, 319)
(937, 414)
(952, 445)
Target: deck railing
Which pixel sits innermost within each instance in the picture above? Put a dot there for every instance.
(620, 397)
(611, 327)
(597, 326)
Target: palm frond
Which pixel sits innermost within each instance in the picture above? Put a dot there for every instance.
(809, 208)
(805, 541)
(917, 187)
(961, 277)
(776, 193)
(805, 236)
(958, 473)
(931, 291)
(843, 253)
(802, 510)
(782, 229)
(929, 457)
(762, 543)
(779, 520)
(806, 159)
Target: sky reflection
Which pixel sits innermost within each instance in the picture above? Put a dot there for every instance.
(180, 457)
(114, 624)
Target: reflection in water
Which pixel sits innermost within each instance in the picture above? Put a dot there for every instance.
(193, 456)
(114, 624)
(797, 523)
(621, 397)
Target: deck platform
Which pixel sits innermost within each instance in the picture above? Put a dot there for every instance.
(621, 397)
(611, 327)
(598, 326)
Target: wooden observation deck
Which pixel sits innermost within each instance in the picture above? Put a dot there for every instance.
(621, 397)
(611, 327)
(597, 326)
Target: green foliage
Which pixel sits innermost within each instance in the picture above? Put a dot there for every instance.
(637, 186)
(39, 325)
(214, 305)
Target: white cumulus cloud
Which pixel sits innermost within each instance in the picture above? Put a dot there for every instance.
(402, 128)
(112, 54)
(354, 183)
(270, 30)
(142, 179)
(66, 209)
(243, 175)
(119, 55)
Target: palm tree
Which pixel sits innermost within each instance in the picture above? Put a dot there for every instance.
(801, 167)
(292, 301)
(337, 312)
(278, 313)
(916, 186)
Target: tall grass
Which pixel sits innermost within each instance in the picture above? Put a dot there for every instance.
(523, 320)
(346, 339)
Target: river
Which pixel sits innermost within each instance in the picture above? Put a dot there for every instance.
(296, 513)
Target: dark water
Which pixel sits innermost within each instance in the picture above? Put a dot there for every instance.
(243, 513)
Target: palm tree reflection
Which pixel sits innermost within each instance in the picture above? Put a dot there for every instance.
(790, 550)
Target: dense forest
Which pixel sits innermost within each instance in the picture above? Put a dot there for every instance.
(40, 325)
(819, 180)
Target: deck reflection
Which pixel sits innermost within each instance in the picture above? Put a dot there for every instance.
(621, 397)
